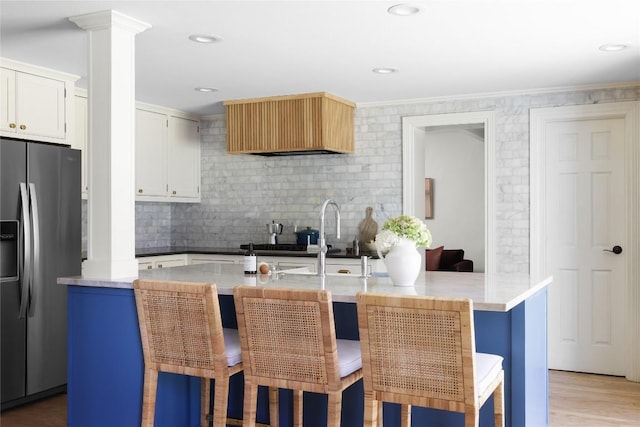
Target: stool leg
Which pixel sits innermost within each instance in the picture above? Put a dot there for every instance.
(335, 408)
(205, 400)
(405, 415)
(471, 416)
(297, 408)
(250, 403)
(149, 397)
(220, 402)
(274, 415)
(498, 405)
(372, 411)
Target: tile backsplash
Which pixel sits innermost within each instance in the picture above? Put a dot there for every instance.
(242, 193)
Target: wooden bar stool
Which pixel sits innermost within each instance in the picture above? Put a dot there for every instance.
(288, 340)
(421, 351)
(181, 332)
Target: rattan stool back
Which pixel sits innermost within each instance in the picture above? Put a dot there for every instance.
(288, 341)
(421, 351)
(181, 332)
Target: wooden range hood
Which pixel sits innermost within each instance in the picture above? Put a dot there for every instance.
(312, 123)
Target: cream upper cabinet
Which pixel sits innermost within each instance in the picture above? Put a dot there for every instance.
(8, 96)
(167, 152)
(184, 158)
(81, 134)
(167, 155)
(35, 104)
(151, 154)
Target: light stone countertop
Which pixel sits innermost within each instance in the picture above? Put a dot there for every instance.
(491, 293)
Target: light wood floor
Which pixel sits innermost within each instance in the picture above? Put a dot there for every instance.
(592, 400)
(50, 412)
(580, 400)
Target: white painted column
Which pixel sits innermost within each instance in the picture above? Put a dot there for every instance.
(111, 147)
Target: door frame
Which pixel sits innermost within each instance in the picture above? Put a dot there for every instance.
(630, 112)
(411, 163)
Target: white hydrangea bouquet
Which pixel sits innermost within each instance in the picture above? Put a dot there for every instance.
(399, 239)
(403, 227)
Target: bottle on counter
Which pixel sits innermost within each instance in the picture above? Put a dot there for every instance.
(250, 261)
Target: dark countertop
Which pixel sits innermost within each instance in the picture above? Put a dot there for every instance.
(173, 250)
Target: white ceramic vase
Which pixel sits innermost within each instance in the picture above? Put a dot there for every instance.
(403, 263)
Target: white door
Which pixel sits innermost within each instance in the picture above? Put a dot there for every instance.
(585, 218)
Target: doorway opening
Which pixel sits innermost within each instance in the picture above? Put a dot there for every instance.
(425, 143)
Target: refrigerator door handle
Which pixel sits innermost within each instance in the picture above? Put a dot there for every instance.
(26, 261)
(36, 248)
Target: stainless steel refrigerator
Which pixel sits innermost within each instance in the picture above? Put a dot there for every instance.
(40, 240)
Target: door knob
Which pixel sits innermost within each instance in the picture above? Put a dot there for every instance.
(616, 250)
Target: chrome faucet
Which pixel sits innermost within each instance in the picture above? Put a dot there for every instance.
(322, 243)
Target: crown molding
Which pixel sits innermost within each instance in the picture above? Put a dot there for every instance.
(540, 91)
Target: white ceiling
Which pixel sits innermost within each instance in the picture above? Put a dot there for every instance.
(450, 48)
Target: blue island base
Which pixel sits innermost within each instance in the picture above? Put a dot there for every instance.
(105, 369)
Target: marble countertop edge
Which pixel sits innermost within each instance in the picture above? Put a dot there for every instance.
(499, 293)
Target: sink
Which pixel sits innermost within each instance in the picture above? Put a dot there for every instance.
(304, 271)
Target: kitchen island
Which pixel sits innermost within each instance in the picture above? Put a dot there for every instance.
(105, 363)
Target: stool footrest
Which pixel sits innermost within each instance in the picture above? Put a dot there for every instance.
(236, 422)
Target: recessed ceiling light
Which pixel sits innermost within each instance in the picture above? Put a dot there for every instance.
(403, 10)
(613, 47)
(204, 38)
(205, 89)
(384, 70)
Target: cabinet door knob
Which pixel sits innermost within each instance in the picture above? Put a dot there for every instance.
(149, 267)
(22, 127)
(174, 192)
(12, 125)
(140, 190)
(159, 265)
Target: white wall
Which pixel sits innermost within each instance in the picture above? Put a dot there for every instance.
(454, 158)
